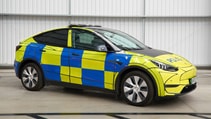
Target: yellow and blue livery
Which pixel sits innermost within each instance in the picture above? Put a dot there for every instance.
(83, 56)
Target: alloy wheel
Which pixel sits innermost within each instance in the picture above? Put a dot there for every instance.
(135, 89)
(30, 77)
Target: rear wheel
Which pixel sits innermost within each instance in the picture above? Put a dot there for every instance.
(31, 77)
(137, 88)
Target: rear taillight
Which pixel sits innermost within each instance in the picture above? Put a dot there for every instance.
(18, 47)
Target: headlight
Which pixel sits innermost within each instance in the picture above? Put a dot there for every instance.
(164, 66)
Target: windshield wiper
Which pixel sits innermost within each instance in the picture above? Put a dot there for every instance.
(136, 48)
(128, 48)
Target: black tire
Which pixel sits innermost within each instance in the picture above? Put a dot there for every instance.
(31, 77)
(137, 89)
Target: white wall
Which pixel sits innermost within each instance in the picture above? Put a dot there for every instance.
(60, 7)
(179, 26)
(107, 7)
(14, 29)
(178, 7)
(189, 37)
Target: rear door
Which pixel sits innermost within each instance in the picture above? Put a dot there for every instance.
(55, 55)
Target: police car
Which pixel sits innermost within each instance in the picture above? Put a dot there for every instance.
(93, 57)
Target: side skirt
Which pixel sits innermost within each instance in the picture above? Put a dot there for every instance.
(77, 86)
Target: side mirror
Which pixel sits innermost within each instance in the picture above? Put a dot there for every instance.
(149, 47)
(102, 48)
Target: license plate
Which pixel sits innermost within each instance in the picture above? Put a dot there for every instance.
(193, 81)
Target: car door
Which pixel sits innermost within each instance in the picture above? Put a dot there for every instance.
(87, 64)
(55, 55)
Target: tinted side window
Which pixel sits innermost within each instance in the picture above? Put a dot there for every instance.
(86, 40)
(55, 38)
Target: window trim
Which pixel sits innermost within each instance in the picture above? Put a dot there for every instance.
(87, 31)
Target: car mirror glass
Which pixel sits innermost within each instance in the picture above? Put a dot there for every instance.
(102, 48)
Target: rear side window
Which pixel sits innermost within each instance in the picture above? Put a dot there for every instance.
(55, 38)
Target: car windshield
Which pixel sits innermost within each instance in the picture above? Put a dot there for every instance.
(121, 40)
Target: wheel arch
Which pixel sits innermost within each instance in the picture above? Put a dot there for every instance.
(26, 61)
(129, 69)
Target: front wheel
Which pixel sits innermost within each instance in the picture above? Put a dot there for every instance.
(137, 88)
(31, 77)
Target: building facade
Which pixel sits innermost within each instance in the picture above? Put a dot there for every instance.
(179, 26)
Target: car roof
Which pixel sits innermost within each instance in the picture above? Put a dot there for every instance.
(92, 27)
(82, 25)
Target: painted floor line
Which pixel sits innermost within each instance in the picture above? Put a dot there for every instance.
(115, 115)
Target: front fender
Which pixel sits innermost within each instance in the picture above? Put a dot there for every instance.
(151, 72)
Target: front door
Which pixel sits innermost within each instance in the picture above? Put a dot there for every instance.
(87, 64)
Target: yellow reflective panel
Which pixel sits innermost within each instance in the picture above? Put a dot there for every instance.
(75, 80)
(174, 60)
(133, 53)
(30, 40)
(93, 60)
(174, 90)
(115, 78)
(108, 86)
(108, 80)
(185, 82)
(64, 74)
(52, 55)
(169, 77)
(75, 75)
(75, 72)
(69, 43)
(190, 72)
(136, 59)
(158, 80)
(21, 51)
(20, 54)
(92, 64)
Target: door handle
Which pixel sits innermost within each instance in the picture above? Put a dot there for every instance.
(74, 54)
(119, 63)
(43, 50)
(116, 62)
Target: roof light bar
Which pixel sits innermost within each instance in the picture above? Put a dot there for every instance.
(83, 25)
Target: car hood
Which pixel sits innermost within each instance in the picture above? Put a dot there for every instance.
(165, 57)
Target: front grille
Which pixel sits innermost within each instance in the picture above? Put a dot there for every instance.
(189, 88)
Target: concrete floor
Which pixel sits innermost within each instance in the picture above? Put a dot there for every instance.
(56, 102)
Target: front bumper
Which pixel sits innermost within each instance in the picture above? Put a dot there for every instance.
(189, 88)
(179, 82)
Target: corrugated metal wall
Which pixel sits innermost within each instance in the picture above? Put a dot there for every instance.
(35, 7)
(189, 37)
(178, 7)
(180, 26)
(107, 7)
(14, 29)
